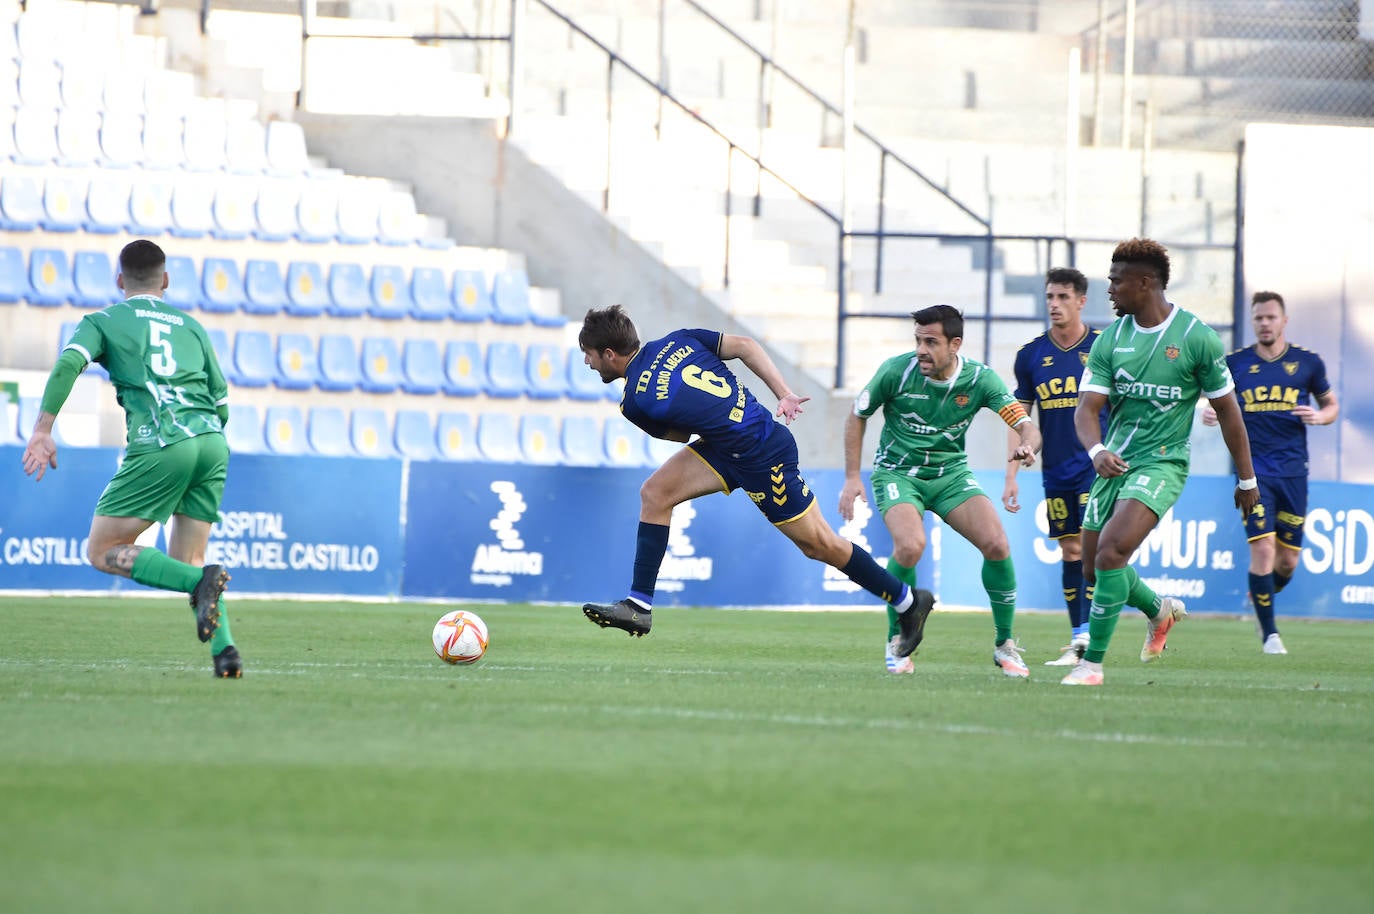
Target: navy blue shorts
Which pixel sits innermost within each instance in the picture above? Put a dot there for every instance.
(769, 475)
(1064, 510)
(1282, 510)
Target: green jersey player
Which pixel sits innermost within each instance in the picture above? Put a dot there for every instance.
(929, 398)
(175, 402)
(1148, 368)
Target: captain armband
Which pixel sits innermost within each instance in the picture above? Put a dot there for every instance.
(1013, 414)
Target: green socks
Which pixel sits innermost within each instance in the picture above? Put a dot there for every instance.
(999, 580)
(1109, 595)
(221, 638)
(908, 577)
(157, 569)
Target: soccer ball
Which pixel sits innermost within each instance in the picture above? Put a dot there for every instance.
(460, 637)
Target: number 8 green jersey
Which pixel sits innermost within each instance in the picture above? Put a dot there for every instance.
(1152, 378)
(163, 368)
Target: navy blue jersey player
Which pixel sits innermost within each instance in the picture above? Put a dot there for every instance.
(1277, 383)
(679, 388)
(1047, 371)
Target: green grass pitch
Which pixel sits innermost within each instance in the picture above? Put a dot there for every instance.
(732, 761)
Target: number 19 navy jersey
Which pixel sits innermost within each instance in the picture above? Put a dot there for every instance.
(1047, 377)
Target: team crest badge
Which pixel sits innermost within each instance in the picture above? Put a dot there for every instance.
(1083, 357)
(1171, 352)
(1291, 368)
(961, 400)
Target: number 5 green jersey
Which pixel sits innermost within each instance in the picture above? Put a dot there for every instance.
(163, 368)
(1152, 378)
(925, 422)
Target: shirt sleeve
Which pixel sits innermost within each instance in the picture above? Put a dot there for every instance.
(1319, 385)
(1212, 373)
(1025, 392)
(69, 366)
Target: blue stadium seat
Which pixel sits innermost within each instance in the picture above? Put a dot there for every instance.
(456, 436)
(183, 283)
(505, 370)
(245, 146)
(40, 82)
(623, 443)
(583, 383)
(35, 135)
(64, 336)
(107, 203)
(162, 149)
(284, 430)
(221, 285)
(14, 276)
(422, 368)
(348, 290)
(580, 438)
(338, 363)
(390, 292)
(254, 360)
(78, 137)
(203, 136)
(497, 439)
(193, 207)
(397, 221)
(64, 203)
(50, 275)
(263, 286)
(539, 441)
(464, 372)
(21, 203)
(429, 295)
(123, 90)
(306, 293)
(276, 211)
(297, 366)
(415, 435)
(380, 364)
(544, 305)
(317, 211)
(510, 298)
(545, 371)
(358, 210)
(150, 205)
(369, 433)
(285, 148)
(327, 432)
(471, 298)
(234, 208)
(244, 431)
(93, 279)
(121, 139)
(224, 353)
(83, 86)
(615, 390)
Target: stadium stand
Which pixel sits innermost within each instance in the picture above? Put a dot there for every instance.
(471, 298)
(14, 282)
(349, 294)
(539, 439)
(264, 288)
(50, 275)
(93, 280)
(456, 436)
(244, 430)
(422, 367)
(545, 371)
(580, 439)
(327, 432)
(21, 203)
(338, 363)
(464, 371)
(297, 365)
(255, 362)
(505, 370)
(306, 292)
(284, 430)
(64, 203)
(415, 435)
(498, 439)
(221, 285)
(380, 365)
(370, 434)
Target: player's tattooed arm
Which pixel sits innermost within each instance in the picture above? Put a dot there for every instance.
(120, 559)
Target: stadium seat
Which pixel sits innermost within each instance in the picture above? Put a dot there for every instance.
(285, 149)
(234, 208)
(121, 139)
(582, 382)
(150, 205)
(306, 293)
(358, 210)
(14, 276)
(369, 433)
(255, 363)
(21, 203)
(338, 363)
(471, 299)
(429, 295)
(349, 294)
(64, 336)
(297, 366)
(245, 146)
(539, 439)
(193, 207)
(615, 390)
(50, 275)
(327, 432)
(221, 285)
(183, 283)
(510, 298)
(64, 203)
(224, 353)
(40, 82)
(622, 443)
(456, 436)
(390, 292)
(203, 136)
(123, 90)
(422, 368)
(93, 280)
(263, 286)
(545, 305)
(415, 435)
(505, 370)
(580, 438)
(244, 430)
(82, 88)
(35, 135)
(545, 372)
(380, 365)
(464, 372)
(6, 124)
(277, 212)
(397, 221)
(284, 430)
(317, 211)
(107, 203)
(78, 137)
(168, 90)
(162, 149)
(497, 439)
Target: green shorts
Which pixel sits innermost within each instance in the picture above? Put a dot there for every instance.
(941, 496)
(183, 478)
(1155, 485)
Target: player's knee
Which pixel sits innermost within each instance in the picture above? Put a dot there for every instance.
(908, 554)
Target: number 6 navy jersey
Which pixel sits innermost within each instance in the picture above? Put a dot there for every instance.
(680, 383)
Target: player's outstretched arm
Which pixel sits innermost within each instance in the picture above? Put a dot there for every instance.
(748, 351)
(853, 488)
(1232, 423)
(40, 453)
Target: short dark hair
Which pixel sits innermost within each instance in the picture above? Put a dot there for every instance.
(950, 319)
(1068, 276)
(1145, 252)
(608, 328)
(142, 264)
(1263, 296)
